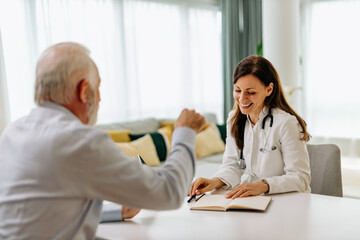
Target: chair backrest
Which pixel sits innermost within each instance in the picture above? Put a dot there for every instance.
(325, 168)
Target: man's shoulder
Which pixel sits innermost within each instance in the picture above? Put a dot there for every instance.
(63, 122)
(86, 131)
(54, 125)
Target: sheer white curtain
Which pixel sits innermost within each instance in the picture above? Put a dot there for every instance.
(154, 57)
(4, 108)
(31, 26)
(331, 72)
(17, 50)
(176, 64)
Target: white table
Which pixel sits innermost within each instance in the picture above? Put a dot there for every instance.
(289, 216)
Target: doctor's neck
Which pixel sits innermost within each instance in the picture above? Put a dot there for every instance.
(254, 118)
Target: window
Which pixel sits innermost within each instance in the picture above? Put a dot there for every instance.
(331, 63)
(154, 57)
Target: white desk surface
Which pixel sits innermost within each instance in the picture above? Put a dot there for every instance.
(289, 216)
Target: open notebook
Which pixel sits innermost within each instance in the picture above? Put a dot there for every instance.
(220, 203)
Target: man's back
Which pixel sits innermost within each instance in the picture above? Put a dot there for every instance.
(55, 171)
(41, 179)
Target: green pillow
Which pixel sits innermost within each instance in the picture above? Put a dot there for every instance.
(222, 130)
(159, 142)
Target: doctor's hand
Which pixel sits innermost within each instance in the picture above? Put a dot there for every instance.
(202, 185)
(248, 189)
(128, 212)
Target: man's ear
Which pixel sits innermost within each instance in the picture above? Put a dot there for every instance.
(83, 90)
(269, 89)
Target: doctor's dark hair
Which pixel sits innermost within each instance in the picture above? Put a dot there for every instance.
(266, 73)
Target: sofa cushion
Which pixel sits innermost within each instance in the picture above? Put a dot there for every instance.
(168, 123)
(143, 146)
(222, 130)
(136, 127)
(208, 142)
(167, 130)
(119, 135)
(210, 118)
(160, 140)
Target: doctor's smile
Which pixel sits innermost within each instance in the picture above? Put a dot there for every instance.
(245, 105)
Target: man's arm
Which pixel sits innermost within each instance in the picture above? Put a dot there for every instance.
(115, 177)
(116, 212)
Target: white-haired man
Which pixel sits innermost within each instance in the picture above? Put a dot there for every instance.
(56, 169)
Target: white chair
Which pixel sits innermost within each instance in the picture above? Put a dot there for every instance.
(325, 168)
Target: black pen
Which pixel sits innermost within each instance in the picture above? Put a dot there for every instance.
(191, 198)
(197, 199)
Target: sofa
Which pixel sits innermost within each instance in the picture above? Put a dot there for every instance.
(134, 137)
(210, 160)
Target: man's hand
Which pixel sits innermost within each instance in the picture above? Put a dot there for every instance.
(191, 119)
(128, 212)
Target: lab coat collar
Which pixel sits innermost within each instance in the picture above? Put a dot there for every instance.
(262, 114)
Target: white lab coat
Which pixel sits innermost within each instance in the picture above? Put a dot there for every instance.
(286, 168)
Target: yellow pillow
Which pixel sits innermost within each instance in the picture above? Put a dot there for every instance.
(167, 130)
(208, 142)
(119, 135)
(206, 126)
(170, 124)
(143, 146)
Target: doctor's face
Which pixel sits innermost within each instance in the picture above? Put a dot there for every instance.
(250, 93)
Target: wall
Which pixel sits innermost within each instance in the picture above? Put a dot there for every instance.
(281, 44)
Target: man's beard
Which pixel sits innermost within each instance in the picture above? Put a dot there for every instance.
(92, 108)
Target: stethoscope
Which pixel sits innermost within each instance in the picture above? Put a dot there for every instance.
(241, 161)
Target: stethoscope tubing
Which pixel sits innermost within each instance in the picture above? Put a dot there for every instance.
(241, 161)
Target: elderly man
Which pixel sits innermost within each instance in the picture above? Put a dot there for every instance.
(56, 169)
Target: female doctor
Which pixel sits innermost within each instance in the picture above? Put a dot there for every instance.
(266, 140)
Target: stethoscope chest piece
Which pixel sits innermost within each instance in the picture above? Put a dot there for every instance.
(242, 163)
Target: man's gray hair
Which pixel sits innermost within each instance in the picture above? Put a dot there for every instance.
(59, 69)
